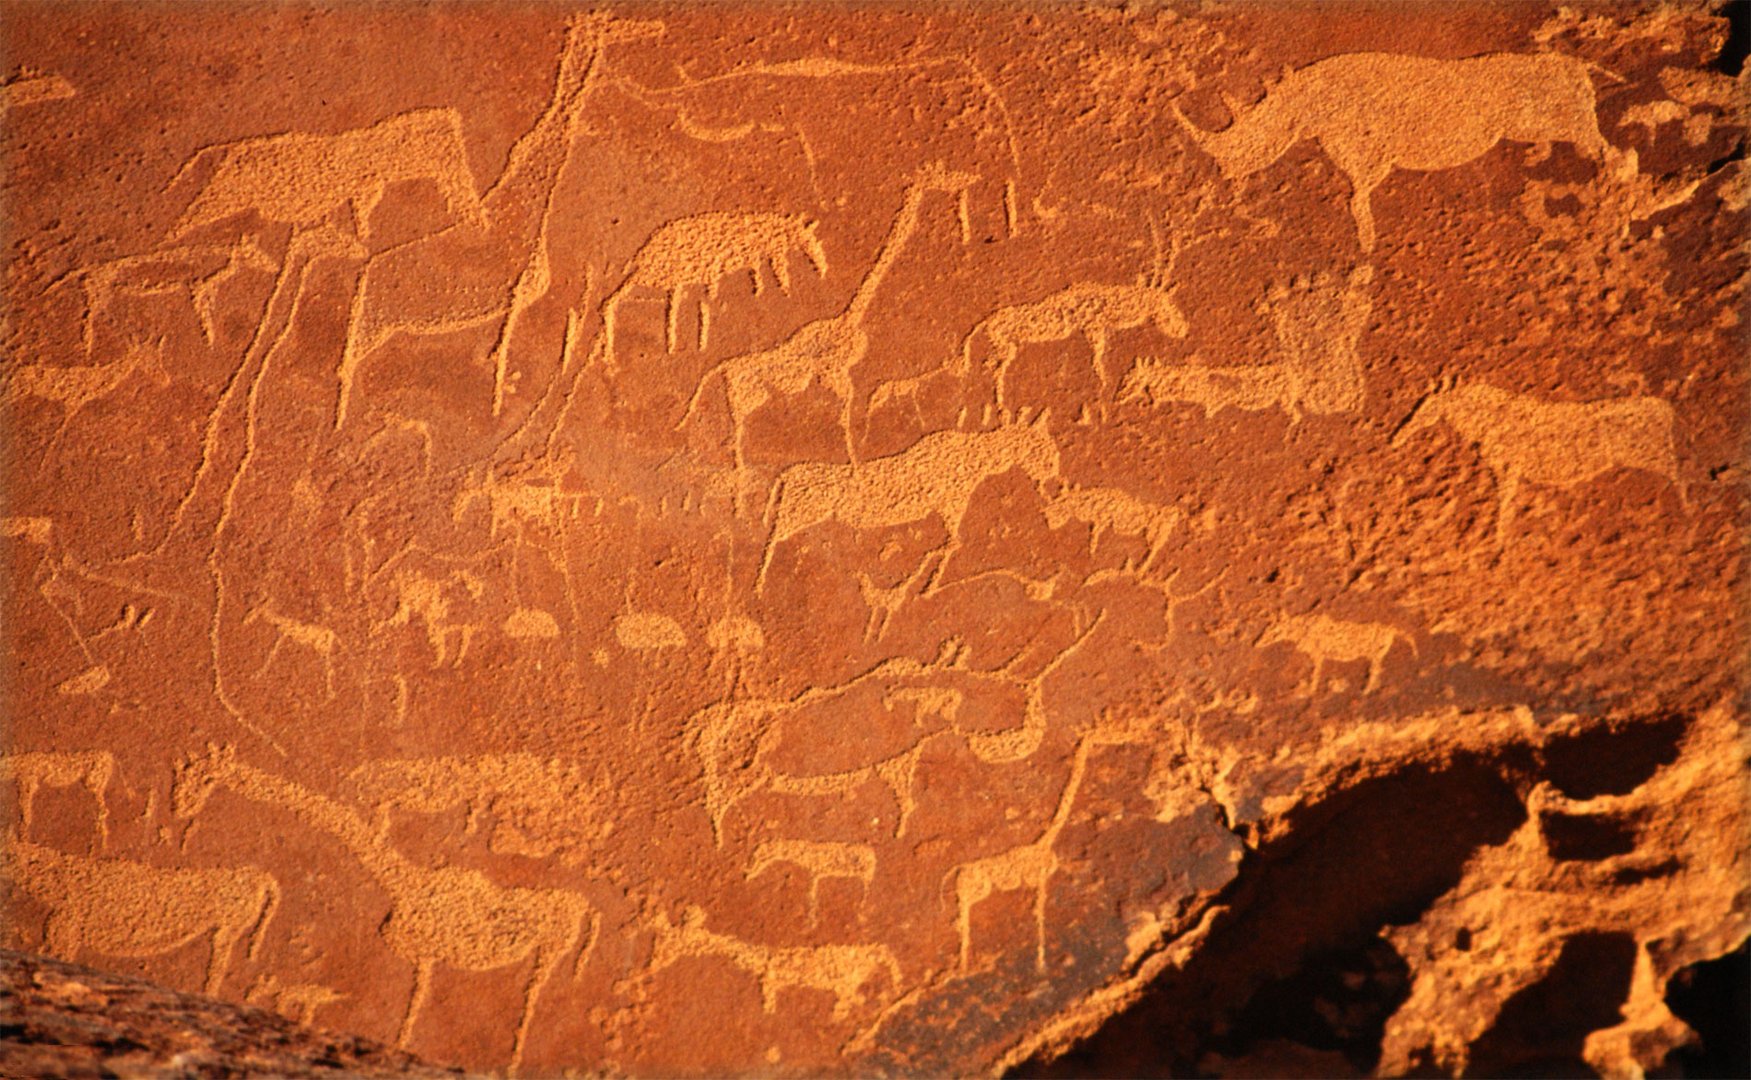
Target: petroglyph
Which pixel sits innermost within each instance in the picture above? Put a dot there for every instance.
(818, 860)
(450, 915)
(34, 770)
(936, 475)
(89, 681)
(825, 350)
(699, 251)
(318, 639)
(541, 808)
(530, 623)
(735, 633)
(33, 89)
(120, 908)
(645, 630)
(1376, 112)
(74, 387)
(198, 272)
(1106, 509)
(1318, 323)
(1322, 639)
(497, 264)
(1029, 866)
(845, 971)
(1524, 439)
(299, 179)
(428, 600)
(1092, 310)
(294, 1001)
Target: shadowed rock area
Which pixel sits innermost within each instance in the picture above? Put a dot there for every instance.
(912, 539)
(65, 1020)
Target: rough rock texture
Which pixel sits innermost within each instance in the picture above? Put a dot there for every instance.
(761, 539)
(65, 1020)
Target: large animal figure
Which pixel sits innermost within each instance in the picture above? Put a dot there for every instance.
(1523, 439)
(1376, 112)
(935, 475)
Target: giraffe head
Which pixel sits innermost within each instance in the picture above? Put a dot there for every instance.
(196, 777)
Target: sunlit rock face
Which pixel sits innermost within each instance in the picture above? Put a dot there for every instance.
(738, 538)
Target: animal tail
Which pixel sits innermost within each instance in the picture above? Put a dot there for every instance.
(270, 905)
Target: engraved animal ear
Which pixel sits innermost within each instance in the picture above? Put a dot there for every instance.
(1040, 420)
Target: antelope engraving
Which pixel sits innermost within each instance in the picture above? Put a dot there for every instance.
(1523, 439)
(1086, 308)
(34, 770)
(1322, 639)
(198, 272)
(115, 907)
(1376, 112)
(825, 350)
(819, 860)
(451, 915)
(699, 251)
(426, 599)
(845, 971)
(318, 639)
(935, 475)
(75, 386)
(1029, 866)
(540, 807)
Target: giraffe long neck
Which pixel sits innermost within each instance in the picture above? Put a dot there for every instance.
(323, 813)
(898, 235)
(526, 186)
(1078, 766)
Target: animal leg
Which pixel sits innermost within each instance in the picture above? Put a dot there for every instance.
(545, 966)
(1040, 924)
(224, 939)
(1097, 340)
(1363, 181)
(422, 985)
(672, 328)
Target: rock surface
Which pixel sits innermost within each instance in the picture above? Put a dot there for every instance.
(65, 1020)
(745, 538)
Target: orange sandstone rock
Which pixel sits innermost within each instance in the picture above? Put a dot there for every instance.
(750, 538)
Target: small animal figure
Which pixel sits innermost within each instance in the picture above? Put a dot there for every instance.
(1323, 638)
